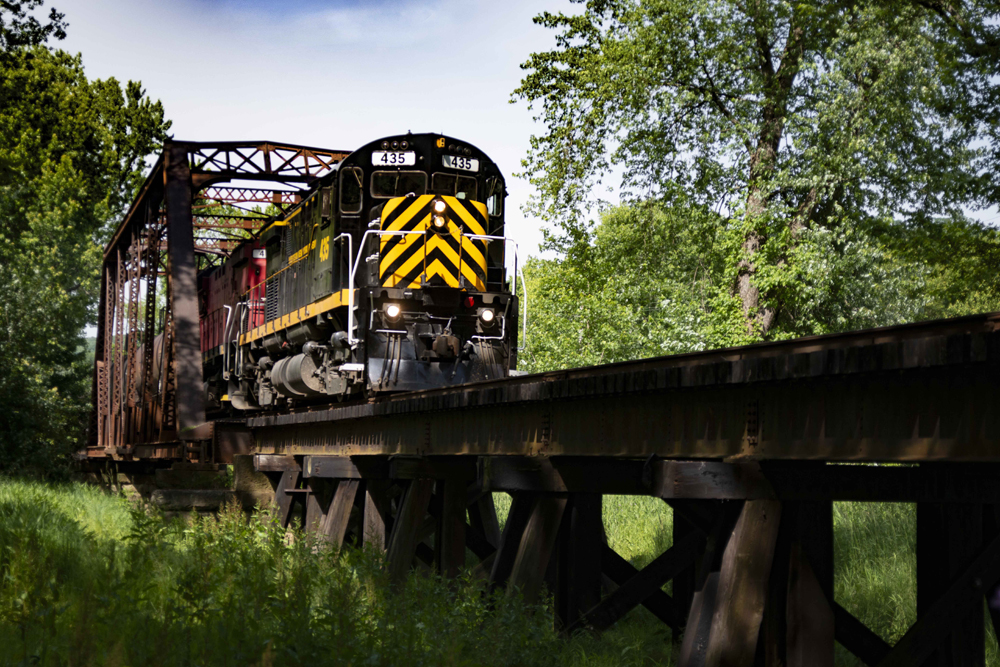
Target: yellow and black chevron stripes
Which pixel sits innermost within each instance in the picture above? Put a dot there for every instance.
(418, 252)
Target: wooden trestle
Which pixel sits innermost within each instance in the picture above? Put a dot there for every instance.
(750, 447)
(751, 560)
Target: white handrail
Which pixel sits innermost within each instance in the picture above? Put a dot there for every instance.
(517, 272)
(354, 271)
(350, 288)
(378, 232)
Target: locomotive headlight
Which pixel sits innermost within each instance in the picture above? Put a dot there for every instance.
(392, 312)
(487, 316)
(438, 221)
(439, 206)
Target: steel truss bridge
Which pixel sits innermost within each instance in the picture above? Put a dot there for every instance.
(750, 447)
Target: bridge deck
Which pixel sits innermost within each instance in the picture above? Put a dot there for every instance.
(917, 392)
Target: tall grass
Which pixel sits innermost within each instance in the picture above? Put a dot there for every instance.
(91, 579)
(875, 564)
(639, 528)
(875, 577)
(874, 567)
(134, 590)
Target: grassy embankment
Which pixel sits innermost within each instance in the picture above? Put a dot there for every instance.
(86, 579)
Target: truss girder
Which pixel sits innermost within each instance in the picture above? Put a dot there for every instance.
(149, 391)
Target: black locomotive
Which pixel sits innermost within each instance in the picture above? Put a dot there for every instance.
(388, 276)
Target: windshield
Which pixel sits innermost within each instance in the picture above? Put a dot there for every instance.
(398, 183)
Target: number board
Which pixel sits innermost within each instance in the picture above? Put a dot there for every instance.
(394, 158)
(459, 162)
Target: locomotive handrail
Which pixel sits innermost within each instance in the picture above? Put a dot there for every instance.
(354, 271)
(351, 340)
(517, 272)
(225, 339)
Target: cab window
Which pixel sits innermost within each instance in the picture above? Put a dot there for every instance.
(443, 184)
(350, 190)
(461, 187)
(494, 202)
(398, 183)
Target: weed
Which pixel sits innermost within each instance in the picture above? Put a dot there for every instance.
(88, 578)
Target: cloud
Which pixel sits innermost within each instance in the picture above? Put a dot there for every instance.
(333, 74)
(389, 26)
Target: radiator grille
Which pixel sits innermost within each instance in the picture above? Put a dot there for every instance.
(271, 301)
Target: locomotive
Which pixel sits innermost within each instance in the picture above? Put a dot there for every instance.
(389, 275)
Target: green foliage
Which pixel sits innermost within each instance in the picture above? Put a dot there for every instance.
(957, 258)
(651, 280)
(89, 579)
(71, 156)
(20, 28)
(643, 286)
(806, 127)
(229, 591)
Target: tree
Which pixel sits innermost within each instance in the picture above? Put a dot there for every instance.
(957, 260)
(71, 156)
(19, 28)
(619, 296)
(650, 280)
(808, 127)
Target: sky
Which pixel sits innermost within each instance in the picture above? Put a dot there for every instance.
(333, 74)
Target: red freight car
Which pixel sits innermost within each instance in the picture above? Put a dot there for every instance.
(221, 302)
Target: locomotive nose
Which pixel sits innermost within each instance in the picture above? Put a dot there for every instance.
(432, 239)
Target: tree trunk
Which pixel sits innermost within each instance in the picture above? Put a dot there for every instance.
(757, 317)
(758, 314)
